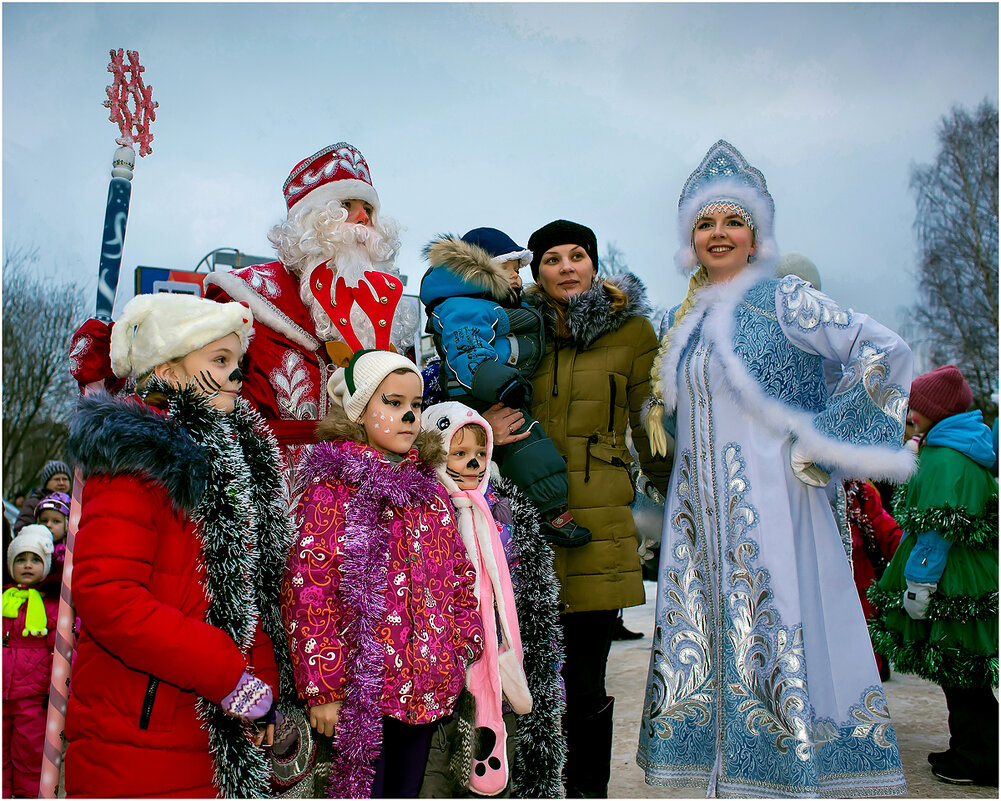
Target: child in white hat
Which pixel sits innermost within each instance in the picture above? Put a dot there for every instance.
(377, 599)
(29, 630)
(177, 564)
(515, 683)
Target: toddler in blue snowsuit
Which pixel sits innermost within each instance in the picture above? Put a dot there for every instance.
(490, 344)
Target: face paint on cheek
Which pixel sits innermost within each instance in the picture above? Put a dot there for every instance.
(208, 384)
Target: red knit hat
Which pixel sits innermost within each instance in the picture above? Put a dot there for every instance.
(941, 393)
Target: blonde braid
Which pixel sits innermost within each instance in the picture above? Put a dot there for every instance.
(655, 416)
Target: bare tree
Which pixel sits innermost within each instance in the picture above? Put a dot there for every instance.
(956, 317)
(39, 317)
(613, 262)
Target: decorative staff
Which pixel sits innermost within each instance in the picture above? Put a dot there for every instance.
(132, 109)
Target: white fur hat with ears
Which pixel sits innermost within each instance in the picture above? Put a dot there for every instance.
(36, 539)
(353, 386)
(725, 176)
(155, 329)
(447, 418)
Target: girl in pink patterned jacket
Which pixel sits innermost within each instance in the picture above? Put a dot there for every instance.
(377, 598)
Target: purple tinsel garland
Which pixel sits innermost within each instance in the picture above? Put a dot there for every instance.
(376, 484)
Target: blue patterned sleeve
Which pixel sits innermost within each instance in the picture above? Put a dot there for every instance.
(469, 328)
(868, 405)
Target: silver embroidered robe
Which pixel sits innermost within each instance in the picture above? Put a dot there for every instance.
(762, 680)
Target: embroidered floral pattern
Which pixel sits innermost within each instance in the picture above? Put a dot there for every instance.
(870, 369)
(808, 308)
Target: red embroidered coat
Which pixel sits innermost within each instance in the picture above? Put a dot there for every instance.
(421, 586)
(287, 367)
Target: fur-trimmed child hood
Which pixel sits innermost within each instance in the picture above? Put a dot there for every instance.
(591, 314)
(462, 269)
(118, 436)
(336, 426)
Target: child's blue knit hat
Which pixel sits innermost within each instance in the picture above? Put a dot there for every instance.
(499, 245)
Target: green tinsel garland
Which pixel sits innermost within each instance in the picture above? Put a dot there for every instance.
(955, 608)
(947, 666)
(956, 525)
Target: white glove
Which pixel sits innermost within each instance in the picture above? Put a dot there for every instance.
(916, 598)
(804, 468)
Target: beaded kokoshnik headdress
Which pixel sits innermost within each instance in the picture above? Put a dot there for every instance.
(724, 181)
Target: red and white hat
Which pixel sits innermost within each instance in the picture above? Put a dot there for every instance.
(338, 172)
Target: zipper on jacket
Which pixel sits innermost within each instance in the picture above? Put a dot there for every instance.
(611, 406)
(587, 460)
(556, 368)
(147, 709)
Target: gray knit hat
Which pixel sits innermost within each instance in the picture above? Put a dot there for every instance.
(54, 467)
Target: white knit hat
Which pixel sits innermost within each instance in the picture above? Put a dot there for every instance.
(353, 386)
(799, 265)
(155, 329)
(36, 539)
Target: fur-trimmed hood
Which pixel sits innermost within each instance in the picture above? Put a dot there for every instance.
(462, 269)
(590, 314)
(125, 435)
(337, 426)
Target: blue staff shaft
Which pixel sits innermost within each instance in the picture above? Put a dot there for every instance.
(116, 215)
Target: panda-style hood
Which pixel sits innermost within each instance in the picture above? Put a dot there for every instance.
(446, 419)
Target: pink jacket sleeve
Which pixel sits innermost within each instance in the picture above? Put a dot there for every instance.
(468, 622)
(313, 615)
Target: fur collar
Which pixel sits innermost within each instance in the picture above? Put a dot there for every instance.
(714, 309)
(221, 472)
(119, 436)
(337, 426)
(472, 264)
(590, 314)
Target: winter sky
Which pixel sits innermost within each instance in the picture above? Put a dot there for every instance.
(501, 114)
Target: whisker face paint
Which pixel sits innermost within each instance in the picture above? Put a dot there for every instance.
(208, 384)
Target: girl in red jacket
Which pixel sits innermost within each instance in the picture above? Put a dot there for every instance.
(29, 632)
(177, 565)
(378, 600)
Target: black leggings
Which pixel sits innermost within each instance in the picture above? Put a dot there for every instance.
(399, 768)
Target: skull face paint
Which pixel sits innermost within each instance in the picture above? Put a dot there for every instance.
(467, 457)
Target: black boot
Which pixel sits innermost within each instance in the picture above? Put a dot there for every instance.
(620, 632)
(560, 529)
(589, 753)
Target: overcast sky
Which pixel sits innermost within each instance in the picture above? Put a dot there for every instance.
(501, 114)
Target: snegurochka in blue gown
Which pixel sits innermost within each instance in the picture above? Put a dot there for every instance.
(762, 679)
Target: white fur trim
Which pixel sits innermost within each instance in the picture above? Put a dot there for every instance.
(726, 189)
(154, 329)
(717, 304)
(265, 312)
(523, 256)
(345, 189)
